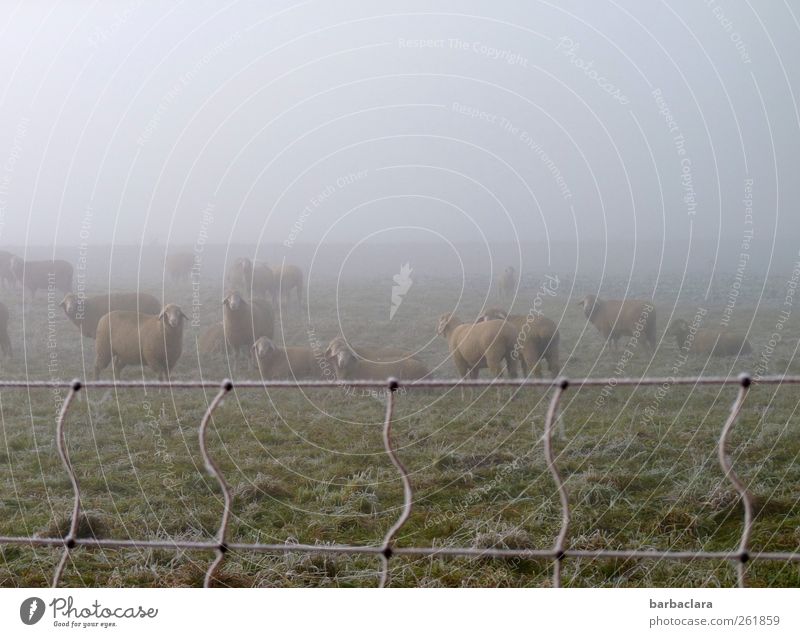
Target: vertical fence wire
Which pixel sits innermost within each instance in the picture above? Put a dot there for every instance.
(386, 549)
(213, 470)
(61, 445)
(552, 414)
(727, 468)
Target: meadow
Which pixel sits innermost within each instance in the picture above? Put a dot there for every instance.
(308, 466)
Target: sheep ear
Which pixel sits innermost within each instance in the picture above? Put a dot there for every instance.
(186, 318)
(63, 303)
(162, 315)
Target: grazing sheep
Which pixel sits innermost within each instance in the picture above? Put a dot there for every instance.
(130, 338)
(42, 275)
(85, 313)
(507, 283)
(7, 277)
(709, 341)
(258, 278)
(288, 278)
(5, 341)
(212, 340)
(350, 366)
(621, 318)
(244, 323)
(179, 266)
(478, 345)
(537, 338)
(380, 354)
(274, 363)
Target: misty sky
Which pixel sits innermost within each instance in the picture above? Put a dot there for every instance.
(135, 122)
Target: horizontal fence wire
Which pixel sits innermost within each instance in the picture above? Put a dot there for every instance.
(387, 550)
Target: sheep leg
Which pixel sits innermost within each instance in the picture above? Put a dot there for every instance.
(462, 368)
(553, 364)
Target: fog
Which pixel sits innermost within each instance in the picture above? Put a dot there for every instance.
(588, 136)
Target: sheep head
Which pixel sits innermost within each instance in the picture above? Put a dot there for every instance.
(340, 352)
(172, 316)
(244, 265)
(679, 328)
(590, 305)
(447, 322)
(345, 357)
(70, 305)
(263, 347)
(336, 345)
(233, 301)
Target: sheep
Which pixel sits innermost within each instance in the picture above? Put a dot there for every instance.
(478, 345)
(621, 318)
(507, 283)
(131, 338)
(7, 277)
(350, 366)
(537, 338)
(244, 323)
(43, 275)
(381, 354)
(212, 340)
(179, 266)
(709, 341)
(288, 278)
(258, 278)
(273, 362)
(85, 313)
(5, 341)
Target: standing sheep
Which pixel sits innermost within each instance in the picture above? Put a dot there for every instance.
(621, 318)
(179, 266)
(130, 338)
(85, 313)
(709, 341)
(507, 284)
(258, 278)
(274, 363)
(288, 278)
(350, 366)
(537, 338)
(42, 275)
(5, 341)
(244, 323)
(7, 277)
(478, 345)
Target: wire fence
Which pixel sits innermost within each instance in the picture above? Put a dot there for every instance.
(557, 554)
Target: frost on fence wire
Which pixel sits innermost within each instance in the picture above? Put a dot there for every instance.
(387, 550)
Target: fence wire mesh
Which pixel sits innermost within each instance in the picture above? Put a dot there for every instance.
(559, 552)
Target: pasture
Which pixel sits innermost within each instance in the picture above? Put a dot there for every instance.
(308, 466)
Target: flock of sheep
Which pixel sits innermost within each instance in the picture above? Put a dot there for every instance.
(135, 329)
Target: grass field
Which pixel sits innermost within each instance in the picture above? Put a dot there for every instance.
(309, 466)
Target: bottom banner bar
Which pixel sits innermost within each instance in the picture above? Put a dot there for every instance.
(352, 612)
